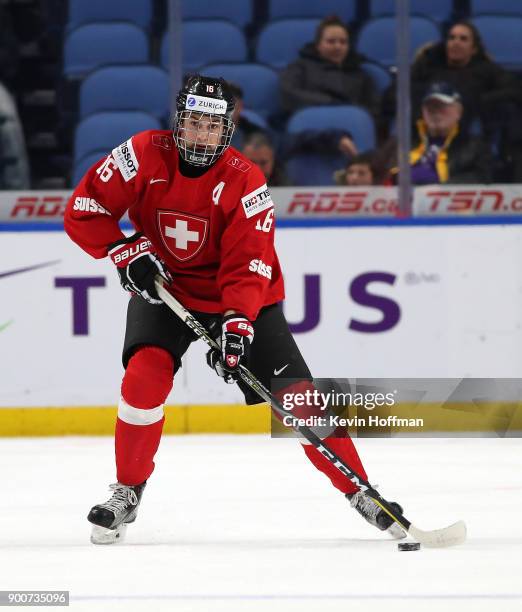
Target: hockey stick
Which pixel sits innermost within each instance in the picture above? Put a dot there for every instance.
(437, 538)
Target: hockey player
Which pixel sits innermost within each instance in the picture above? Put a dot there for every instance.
(204, 221)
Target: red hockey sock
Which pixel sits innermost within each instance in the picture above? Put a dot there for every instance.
(345, 449)
(146, 384)
(341, 444)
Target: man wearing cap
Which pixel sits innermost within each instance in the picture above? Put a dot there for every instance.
(442, 152)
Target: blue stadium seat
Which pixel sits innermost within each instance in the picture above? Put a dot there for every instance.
(81, 167)
(501, 35)
(284, 9)
(129, 88)
(475, 129)
(279, 42)
(378, 38)
(437, 10)
(380, 76)
(497, 7)
(310, 169)
(81, 12)
(255, 118)
(205, 41)
(102, 132)
(260, 122)
(260, 84)
(353, 119)
(239, 12)
(96, 44)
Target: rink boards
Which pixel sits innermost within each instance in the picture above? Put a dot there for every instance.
(431, 201)
(381, 302)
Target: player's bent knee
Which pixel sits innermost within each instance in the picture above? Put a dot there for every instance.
(148, 378)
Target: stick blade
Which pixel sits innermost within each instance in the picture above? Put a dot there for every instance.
(440, 538)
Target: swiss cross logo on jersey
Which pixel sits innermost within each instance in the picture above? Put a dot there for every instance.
(239, 164)
(183, 235)
(160, 140)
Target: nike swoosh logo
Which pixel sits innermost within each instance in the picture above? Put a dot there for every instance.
(277, 372)
(19, 271)
(152, 181)
(29, 268)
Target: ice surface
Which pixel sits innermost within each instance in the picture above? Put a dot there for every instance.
(246, 523)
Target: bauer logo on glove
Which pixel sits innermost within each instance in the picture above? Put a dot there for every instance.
(137, 266)
(121, 254)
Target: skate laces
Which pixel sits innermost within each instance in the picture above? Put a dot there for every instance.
(122, 496)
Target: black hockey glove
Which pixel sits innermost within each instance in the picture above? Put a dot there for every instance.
(137, 266)
(237, 334)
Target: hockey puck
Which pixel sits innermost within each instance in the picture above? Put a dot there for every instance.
(408, 546)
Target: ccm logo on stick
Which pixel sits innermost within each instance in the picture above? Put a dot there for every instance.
(256, 265)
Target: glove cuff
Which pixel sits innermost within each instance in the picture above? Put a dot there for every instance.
(235, 315)
(124, 240)
(238, 323)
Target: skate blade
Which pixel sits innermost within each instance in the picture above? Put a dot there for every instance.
(101, 535)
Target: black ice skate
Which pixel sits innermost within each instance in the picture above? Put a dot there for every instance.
(375, 515)
(110, 519)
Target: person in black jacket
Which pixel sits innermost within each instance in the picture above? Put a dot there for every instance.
(462, 61)
(442, 151)
(489, 93)
(328, 71)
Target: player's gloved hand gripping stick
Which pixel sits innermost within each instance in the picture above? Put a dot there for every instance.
(237, 334)
(138, 265)
(436, 538)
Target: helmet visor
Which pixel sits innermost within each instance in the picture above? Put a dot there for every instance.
(202, 137)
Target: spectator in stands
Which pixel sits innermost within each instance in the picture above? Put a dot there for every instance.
(244, 126)
(443, 152)
(14, 164)
(328, 71)
(462, 61)
(322, 142)
(333, 146)
(259, 149)
(489, 92)
(359, 172)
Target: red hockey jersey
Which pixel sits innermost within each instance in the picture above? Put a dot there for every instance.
(215, 232)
